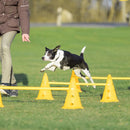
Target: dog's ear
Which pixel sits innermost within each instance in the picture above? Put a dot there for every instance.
(56, 48)
(46, 49)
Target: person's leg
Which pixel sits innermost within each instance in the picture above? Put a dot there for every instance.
(0, 49)
(6, 41)
(7, 72)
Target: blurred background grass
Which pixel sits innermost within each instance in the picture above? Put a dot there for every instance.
(107, 51)
(80, 11)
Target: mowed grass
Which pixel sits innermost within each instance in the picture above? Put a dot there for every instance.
(107, 52)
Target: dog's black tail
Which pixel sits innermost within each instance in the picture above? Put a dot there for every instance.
(82, 51)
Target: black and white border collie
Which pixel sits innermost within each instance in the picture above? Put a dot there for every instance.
(65, 60)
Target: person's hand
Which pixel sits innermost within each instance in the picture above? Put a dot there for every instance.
(25, 38)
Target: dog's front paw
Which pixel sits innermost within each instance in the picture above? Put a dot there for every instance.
(94, 86)
(42, 70)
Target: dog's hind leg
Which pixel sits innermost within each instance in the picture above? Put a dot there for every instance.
(87, 73)
(78, 73)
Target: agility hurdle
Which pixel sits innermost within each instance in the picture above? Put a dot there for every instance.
(97, 84)
(72, 100)
(109, 94)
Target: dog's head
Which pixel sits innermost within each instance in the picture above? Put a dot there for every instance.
(50, 53)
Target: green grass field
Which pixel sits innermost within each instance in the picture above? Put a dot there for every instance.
(107, 52)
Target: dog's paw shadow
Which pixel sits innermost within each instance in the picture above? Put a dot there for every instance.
(83, 90)
(101, 95)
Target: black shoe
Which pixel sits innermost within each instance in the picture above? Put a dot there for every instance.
(5, 91)
(13, 93)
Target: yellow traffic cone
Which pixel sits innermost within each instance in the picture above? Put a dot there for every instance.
(45, 94)
(109, 94)
(77, 81)
(72, 100)
(1, 104)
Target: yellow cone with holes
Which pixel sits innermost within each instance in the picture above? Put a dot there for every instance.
(45, 94)
(77, 81)
(1, 104)
(109, 94)
(72, 100)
